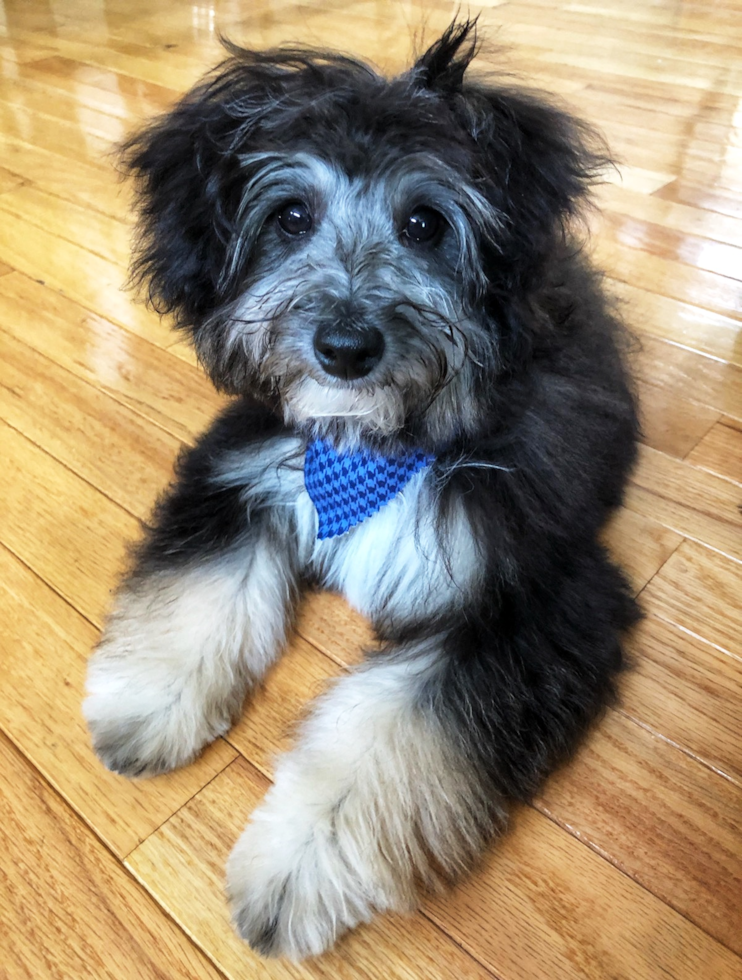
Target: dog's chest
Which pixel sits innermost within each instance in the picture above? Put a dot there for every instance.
(402, 562)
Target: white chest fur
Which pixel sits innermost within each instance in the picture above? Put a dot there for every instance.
(399, 560)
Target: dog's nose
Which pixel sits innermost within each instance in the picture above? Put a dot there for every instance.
(348, 352)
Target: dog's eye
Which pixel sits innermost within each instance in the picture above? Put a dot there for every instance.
(423, 226)
(295, 218)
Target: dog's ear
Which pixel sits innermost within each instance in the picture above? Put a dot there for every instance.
(531, 159)
(189, 182)
(184, 183)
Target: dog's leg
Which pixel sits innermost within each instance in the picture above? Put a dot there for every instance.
(376, 799)
(402, 771)
(202, 616)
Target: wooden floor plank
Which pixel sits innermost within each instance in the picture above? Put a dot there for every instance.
(720, 452)
(705, 380)
(24, 100)
(328, 623)
(74, 912)
(700, 196)
(60, 526)
(61, 137)
(682, 218)
(93, 282)
(9, 180)
(682, 323)
(668, 277)
(115, 89)
(670, 423)
(640, 545)
(63, 80)
(269, 723)
(526, 27)
(700, 591)
(583, 918)
(79, 181)
(688, 692)
(139, 374)
(134, 59)
(665, 820)
(667, 242)
(113, 448)
(106, 237)
(687, 500)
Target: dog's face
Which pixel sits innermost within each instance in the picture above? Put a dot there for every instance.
(357, 305)
(349, 248)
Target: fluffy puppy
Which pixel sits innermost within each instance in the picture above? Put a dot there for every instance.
(384, 274)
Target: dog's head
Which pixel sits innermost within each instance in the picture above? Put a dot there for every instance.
(351, 248)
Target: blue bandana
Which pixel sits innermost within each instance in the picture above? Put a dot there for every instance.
(349, 487)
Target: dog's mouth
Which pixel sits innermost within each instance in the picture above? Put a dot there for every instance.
(349, 403)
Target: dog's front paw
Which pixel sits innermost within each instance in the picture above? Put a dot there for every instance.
(140, 723)
(297, 882)
(291, 897)
(155, 698)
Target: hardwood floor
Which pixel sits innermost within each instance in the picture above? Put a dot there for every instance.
(629, 864)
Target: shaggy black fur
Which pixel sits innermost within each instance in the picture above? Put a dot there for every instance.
(529, 660)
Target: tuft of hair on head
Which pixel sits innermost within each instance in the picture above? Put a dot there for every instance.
(443, 66)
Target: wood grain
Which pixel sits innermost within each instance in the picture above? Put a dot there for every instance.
(685, 324)
(74, 271)
(667, 821)
(696, 195)
(81, 181)
(670, 278)
(67, 139)
(543, 905)
(700, 591)
(107, 237)
(706, 380)
(66, 531)
(20, 101)
(687, 500)
(688, 692)
(269, 723)
(9, 180)
(128, 368)
(670, 423)
(74, 911)
(720, 451)
(109, 445)
(640, 545)
(664, 240)
(682, 218)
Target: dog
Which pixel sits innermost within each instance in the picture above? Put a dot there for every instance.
(432, 417)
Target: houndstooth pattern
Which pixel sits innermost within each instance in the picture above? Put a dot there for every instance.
(348, 488)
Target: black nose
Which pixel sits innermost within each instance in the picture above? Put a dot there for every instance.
(348, 352)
